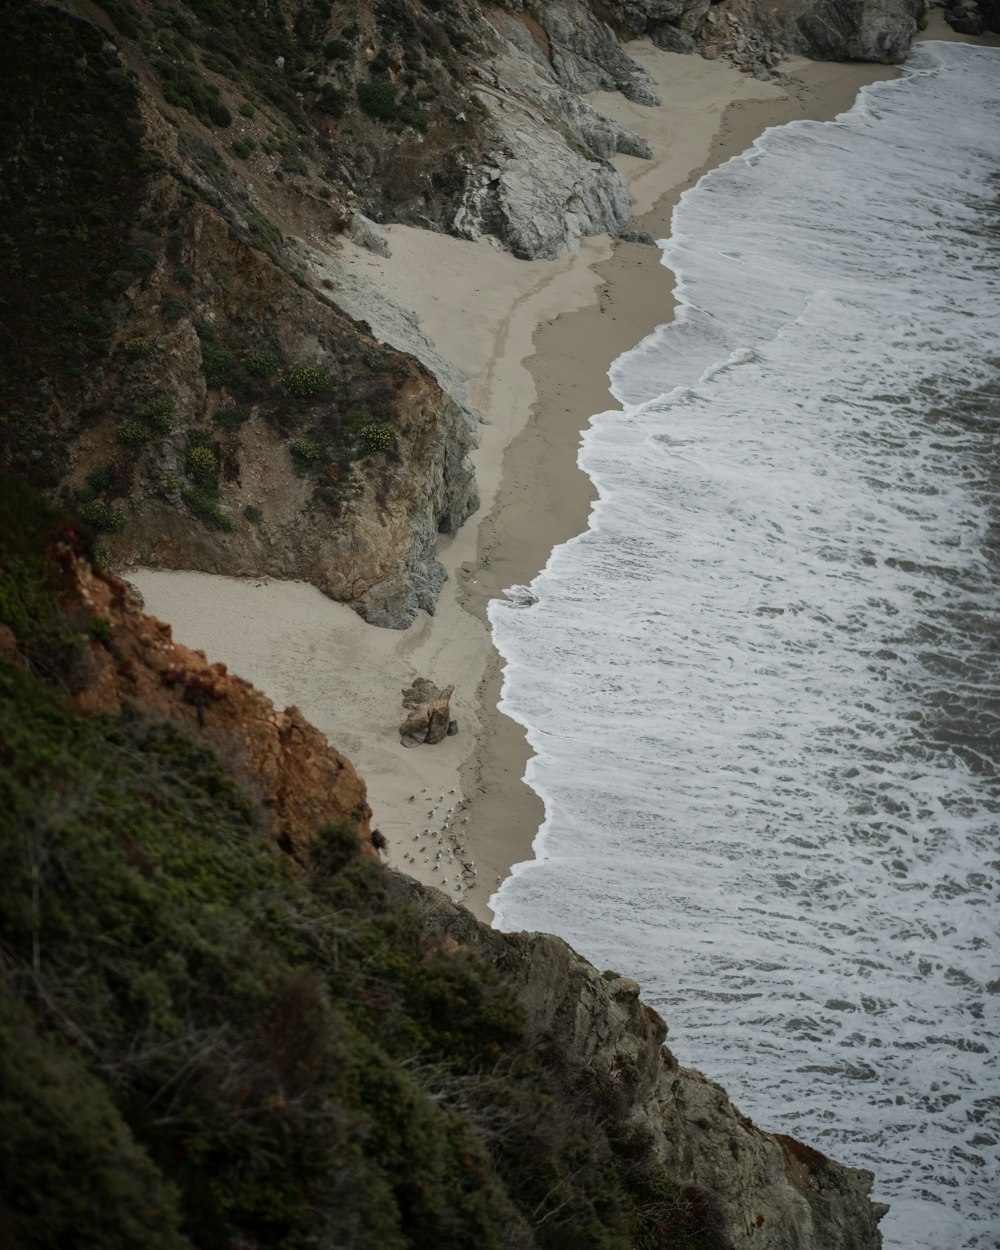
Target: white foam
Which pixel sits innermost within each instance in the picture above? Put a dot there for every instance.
(762, 688)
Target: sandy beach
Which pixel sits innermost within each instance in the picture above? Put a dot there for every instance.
(535, 339)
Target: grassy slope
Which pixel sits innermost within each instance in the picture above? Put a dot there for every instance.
(201, 1046)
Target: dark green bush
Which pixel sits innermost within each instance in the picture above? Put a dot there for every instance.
(261, 362)
(218, 362)
(204, 504)
(306, 381)
(132, 433)
(185, 88)
(232, 418)
(101, 517)
(378, 99)
(157, 413)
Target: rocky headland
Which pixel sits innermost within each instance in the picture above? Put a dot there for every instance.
(224, 1023)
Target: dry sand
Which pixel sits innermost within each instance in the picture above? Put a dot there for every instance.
(536, 339)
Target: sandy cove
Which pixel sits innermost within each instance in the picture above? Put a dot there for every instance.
(535, 339)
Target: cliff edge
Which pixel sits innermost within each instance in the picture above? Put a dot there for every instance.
(224, 1024)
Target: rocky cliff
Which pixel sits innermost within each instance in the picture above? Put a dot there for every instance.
(757, 33)
(224, 1024)
(170, 369)
(184, 361)
(763, 1189)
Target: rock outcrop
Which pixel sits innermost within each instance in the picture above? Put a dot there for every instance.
(545, 179)
(761, 1190)
(972, 17)
(756, 34)
(300, 781)
(430, 719)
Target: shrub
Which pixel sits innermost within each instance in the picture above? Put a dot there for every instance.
(99, 479)
(378, 100)
(375, 438)
(217, 361)
(156, 413)
(205, 506)
(232, 418)
(306, 453)
(202, 465)
(261, 362)
(100, 631)
(332, 100)
(306, 381)
(138, 347)
(185, 88)
(173, 309)
(183, 275)
(101, 517)
(132, 433)
(253, 514)
(242, 148)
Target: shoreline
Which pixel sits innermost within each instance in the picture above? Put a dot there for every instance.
(636, 296)
(536, 340)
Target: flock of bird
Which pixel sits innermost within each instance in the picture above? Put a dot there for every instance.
(440, 845)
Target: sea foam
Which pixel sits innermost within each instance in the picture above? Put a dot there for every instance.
(762, 688)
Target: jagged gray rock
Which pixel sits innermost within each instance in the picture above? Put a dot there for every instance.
(548, 179)
(540, 203)
(587, 55)
(366, 234)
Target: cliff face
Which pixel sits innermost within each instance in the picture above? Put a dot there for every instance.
(756, 34)
(223, 1023)
(767, 1190)
(170, 370)
(177, 363)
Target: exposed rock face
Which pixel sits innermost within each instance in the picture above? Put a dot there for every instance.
(429, 720)
(546, 178)
(173, 370)
(766, 1189)
(368, 536)
(756, 33)
(300, 780)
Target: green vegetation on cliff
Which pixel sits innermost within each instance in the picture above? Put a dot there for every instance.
(204, 1044)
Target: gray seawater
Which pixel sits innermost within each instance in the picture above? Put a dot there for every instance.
(763, 688)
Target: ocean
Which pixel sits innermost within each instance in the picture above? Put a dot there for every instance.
(763, 688)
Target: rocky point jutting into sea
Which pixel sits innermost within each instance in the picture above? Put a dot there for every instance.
(225, 1021)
